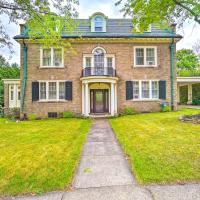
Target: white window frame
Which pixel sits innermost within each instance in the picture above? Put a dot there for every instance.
(47, 91)
(145, 60)
(150, 91)
(93, 24)
(52, 58)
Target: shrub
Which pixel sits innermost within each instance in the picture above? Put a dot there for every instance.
(129, 111)
(165, 107)
(67, 114)
(32, 117)
(196, 102)
(13, 113)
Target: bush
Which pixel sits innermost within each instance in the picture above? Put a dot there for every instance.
(32, 117)
(129, 111)
(165, 107)
(13, 113)
(68, 114)
(196, 102)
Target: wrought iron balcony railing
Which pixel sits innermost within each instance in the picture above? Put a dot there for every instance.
(98, 71)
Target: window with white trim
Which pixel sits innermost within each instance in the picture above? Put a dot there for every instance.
(52, 57)
(109, 62)
(12, 93)
(145, 56)
(98, 24)
(51, 90)
(144, 90)
(88, 62)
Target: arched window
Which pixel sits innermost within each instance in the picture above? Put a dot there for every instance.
(98, 21)
(98, 58)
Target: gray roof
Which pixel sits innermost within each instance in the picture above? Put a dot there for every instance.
(115, 28)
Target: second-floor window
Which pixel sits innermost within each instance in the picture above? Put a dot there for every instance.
(52, 57)
(145, 56)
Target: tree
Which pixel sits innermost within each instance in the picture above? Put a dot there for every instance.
(46, 19)
(163, 12)
(7, 71)
(196, 47)
(186, 59)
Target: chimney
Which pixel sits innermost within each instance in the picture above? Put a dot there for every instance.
(173, 27)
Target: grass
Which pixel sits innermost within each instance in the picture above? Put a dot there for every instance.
(39, 156)
(161, 148)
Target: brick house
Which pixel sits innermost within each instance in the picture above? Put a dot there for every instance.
(113, 69)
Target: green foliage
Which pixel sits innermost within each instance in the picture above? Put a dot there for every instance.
(165, 107)
(32, 116)
(145, 12)
(187, 60)
(13, 113)
(129, 111)
(67, 114)
(196, 91)
(183, 94)
(196, 102)
(7, 71)
(186, 72)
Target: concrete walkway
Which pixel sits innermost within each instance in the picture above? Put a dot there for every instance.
(104, 174)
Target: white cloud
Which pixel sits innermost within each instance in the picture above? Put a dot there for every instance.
(86, 9)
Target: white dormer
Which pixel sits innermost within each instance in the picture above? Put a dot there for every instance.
(98, 22)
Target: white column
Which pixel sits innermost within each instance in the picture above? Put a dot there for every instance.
(115, 98)
(86, 100)
(112, 112)
(189, 94)
(83, 99)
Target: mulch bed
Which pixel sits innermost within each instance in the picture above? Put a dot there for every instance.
(195, 119)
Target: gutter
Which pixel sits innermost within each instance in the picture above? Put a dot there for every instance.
(172, 47)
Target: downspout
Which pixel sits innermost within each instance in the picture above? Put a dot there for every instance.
(24, 74)
(172, 47)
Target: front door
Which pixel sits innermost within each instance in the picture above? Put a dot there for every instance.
(99, 101)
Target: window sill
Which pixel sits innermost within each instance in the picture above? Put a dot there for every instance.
(145, 66)
(52, 101)
(139, 100)
(51, 67)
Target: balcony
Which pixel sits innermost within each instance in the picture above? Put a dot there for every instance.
(98, 71)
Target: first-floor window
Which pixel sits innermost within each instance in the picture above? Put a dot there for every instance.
(154, 88)
(52, 90)
(135, 89)
(61, 90)
(43, 90)
(12, 93)
(145, 89)
(148, 89)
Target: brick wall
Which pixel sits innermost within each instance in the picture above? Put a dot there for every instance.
(124, 55)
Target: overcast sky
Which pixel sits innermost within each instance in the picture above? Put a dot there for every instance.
(190, 31)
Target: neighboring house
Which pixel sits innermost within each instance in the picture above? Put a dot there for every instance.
(113, 69)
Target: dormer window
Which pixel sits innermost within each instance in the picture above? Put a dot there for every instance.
(98, 21)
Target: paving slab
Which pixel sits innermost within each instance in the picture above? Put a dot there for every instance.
(103, 162)
(109, 193)
(176, 192)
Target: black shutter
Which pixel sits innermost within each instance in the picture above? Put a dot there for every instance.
(129, 90)
(68, 90)
(35, 91)
(162, 90)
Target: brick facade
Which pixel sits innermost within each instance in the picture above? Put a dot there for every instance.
(73, 64)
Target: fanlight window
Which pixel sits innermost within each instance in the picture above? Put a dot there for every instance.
(98, 58)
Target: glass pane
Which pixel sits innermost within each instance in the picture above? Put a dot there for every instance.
(57, 59)
(109, 62)
(145, 89)
(99, 59)
(139, 56)
(154, 89)
(61, 90)
(18, 95)
(42, 90)
(98, 24)
(88, 62)
(46, 57)
(12, 95)
(52, 90)
(135, 90)
(150, 57)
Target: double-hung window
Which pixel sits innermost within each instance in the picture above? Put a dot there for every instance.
(145, 90)
(109, 62)
(51, 90)
(98, 21)
(145, 56)
(52, 57)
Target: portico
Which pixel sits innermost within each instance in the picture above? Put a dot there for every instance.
(99, 95)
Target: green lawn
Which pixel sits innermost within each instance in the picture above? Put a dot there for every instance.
(160, 147)
(39, 156)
